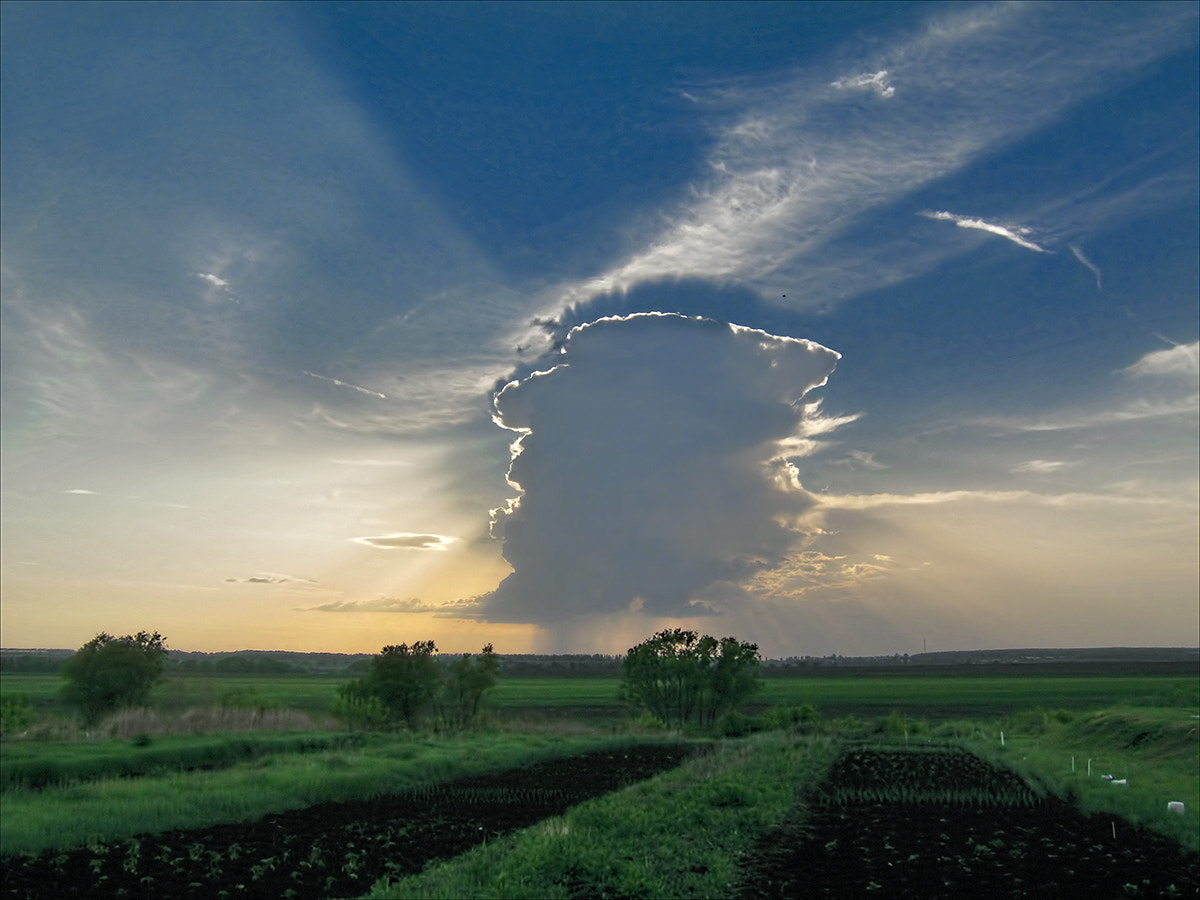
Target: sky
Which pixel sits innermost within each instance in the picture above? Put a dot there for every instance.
(851, 328)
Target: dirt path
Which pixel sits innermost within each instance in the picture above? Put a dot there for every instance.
(851, 844)
(334, 849)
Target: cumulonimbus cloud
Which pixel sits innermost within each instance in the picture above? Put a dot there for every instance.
(650, 466)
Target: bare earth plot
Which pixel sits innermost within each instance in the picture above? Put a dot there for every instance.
(333, 849)
(946, 824)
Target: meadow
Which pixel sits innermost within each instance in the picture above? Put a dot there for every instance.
(264, 747)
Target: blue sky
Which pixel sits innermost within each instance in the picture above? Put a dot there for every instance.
(843, 328)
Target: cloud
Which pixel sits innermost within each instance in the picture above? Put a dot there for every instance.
(1182, 359)
(1132, 411)
(269, 578)
(1041, 466)
(406, 541)
(1014, 233)
(861, 459)
(801, 199)
(79, 491)
(214, 280)
(649, 466)
(1095, 269)
(382, 604)
(878, 82)
(355, 387)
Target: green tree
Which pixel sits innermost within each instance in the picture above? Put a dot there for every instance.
(681, 677)
(404, 679)
(468, 680)
(109, 673)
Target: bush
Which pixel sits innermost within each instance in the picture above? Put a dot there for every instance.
(16, 714)
(797, 719)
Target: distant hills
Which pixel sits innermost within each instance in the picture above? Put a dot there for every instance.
(284, 662)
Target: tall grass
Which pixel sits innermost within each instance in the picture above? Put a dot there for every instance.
(115, 808)
(679, 834)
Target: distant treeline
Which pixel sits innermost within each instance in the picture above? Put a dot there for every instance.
(352, 665)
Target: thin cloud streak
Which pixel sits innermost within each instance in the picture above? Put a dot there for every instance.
(340, 383)
(1014, 233)
(1092, 267)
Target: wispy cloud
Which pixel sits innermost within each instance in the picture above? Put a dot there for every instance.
(79, 491)
(269, 578)
(458, 608)
(1026, 498)
(792, 181)
(214, 280)
(340, 383)
(1041, 466)
(1131, 411)
(382, 604)
(406, 541)
(1092, 267)
(877, 81)
(1014, 233)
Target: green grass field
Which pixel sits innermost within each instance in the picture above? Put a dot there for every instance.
(1139, 728)
(921, 695)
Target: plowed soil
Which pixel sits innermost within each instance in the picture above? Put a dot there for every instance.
(992, 840)
(333, 849)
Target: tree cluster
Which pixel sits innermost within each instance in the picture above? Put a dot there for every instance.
(681, 677)
(109, 673)
(404, 685)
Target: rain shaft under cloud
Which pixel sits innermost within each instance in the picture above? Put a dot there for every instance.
(650, 466)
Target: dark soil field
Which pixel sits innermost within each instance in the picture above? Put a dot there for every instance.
(947, 825)
(334, 849)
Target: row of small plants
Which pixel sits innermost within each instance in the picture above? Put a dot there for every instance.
(114, 808)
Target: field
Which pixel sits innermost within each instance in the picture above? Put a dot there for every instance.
(566, 796)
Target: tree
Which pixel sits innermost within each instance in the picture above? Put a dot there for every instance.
(403, 683)
(109, 673)
(681, 677)
(468, 679)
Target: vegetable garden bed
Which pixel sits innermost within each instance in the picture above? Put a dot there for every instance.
(334, 849)
(946, 824)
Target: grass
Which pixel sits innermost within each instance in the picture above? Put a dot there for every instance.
(677, 835)
(30, 764)
(111, 809)
(1155, 750)
(941, 697)
(919, 694)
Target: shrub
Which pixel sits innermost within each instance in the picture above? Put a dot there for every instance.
(16, 714)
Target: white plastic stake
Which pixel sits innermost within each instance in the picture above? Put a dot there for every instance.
(1002, 739)
(1089, 768)
(1072, 764)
